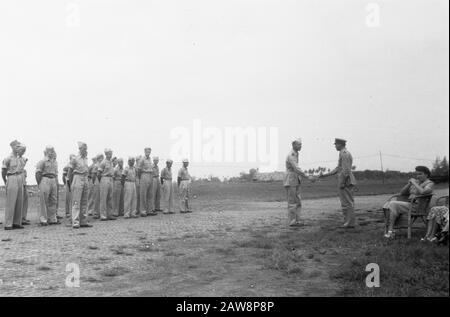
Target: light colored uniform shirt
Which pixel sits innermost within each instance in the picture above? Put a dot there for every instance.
(293, 171)
(106, 168)
(183, 173)
(166, 174)
(47, 167)
(344, 169)
(145, 165)
(155, 171)
(14, 165)
(79, 165)
(129, 173)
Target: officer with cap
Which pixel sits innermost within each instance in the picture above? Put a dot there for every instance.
(346, 182)
(68, 198)
(292, 182)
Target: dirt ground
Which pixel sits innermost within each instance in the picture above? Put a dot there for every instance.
(222, 249)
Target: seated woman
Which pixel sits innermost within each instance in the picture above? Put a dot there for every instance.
(437, 218)
(421, 185)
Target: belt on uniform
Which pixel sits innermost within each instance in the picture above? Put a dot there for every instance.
(49, 176)
(130, 181)
(147, 172)
(13, 174)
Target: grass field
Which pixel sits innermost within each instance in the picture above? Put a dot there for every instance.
(237, 244)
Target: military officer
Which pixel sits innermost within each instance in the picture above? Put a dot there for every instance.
(292, 182)
(346, 182)
(47, 180)
(65, 179)
(78, 182)
(184, 187)
(145, 174)
(94, 203)
(156, 193)
(12, 170)
(167, 187)
(105, 175)
(129, 183)
(118, 188)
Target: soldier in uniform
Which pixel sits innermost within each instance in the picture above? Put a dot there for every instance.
(47, 180)
(292, 183)
(118, 188)
(167, 187)
(105, 175)
(65, 179)
(12, 174)
(129, 184)
(184, 187)
(78, 182)
(156, 193)
(145, 174)
(346, 182)
(94, 203)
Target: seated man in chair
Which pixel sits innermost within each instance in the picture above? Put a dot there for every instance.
(421, 185)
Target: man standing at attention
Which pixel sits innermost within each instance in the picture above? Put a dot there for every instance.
(292, 182)
(145, 174)
(12, 170)
(47, 180)
(118, 188)
(129, 185)
(167, 187)
(346, 182)
(105, 175)
(184, 187)
(65, 179)
(78, 182)
(156, 187)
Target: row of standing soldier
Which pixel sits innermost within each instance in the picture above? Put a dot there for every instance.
(105, 189)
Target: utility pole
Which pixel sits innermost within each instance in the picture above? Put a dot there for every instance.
(382, 170)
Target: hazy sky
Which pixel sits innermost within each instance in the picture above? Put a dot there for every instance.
(125, 73)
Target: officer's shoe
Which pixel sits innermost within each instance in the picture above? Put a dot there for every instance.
(143, 215)
(18, 227)
(112, 218)
(43, 224)
(8, 228)
(87, 225)
(25, 222)
(152, 213)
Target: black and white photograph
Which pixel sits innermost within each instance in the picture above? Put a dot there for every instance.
(224, 154)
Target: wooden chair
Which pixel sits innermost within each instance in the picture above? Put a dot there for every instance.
(419, 209)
